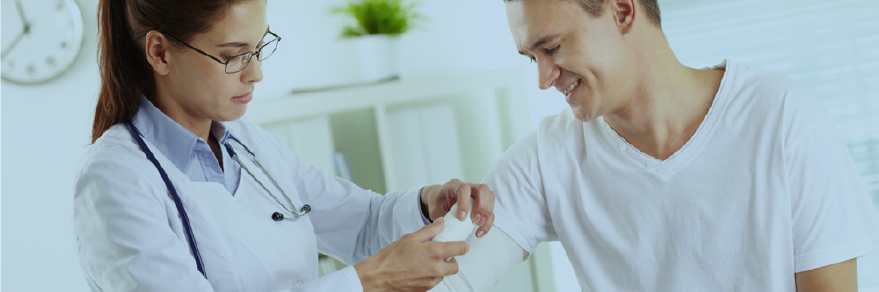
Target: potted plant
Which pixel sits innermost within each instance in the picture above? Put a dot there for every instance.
(378, 25)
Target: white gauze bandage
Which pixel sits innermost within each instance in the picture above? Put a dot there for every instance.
(454, 229)
(489, 259)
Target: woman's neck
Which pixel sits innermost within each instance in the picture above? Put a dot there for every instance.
(199, 126)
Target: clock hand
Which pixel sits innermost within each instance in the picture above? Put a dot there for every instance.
(26, 29)
(24, 22)
(11, 46)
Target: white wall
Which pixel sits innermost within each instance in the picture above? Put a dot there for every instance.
(45, 129)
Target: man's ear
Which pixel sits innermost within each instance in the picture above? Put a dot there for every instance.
(623, 14)
(157, 47)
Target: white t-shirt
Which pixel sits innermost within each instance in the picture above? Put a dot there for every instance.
(764, 189)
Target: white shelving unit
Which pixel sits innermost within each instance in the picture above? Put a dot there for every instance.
(458, 124)
(489, 111)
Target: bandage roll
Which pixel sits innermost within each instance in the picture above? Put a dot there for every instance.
(454, 229)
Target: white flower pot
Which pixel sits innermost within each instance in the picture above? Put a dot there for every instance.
(378, 57)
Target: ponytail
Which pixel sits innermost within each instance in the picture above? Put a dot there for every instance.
(125, 73)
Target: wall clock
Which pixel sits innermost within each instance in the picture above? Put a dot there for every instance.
(40, 39)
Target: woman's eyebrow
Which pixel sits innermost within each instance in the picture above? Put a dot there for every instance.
(240, 44)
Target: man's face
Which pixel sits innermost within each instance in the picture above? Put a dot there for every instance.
(580, 55)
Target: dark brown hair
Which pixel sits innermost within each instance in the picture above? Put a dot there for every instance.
(125, 72)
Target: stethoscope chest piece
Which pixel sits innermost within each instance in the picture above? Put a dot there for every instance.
(277, 216)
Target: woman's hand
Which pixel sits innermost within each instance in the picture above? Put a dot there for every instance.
(411, 263)
(437, 200)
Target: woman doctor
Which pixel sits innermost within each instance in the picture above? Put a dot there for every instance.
(179, 193)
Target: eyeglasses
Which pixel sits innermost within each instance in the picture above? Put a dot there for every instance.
(239, 62)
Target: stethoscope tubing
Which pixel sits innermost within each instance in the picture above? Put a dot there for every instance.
(187, 228)
(277, 216)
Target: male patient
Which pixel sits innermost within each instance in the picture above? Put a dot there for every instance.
(667, 178)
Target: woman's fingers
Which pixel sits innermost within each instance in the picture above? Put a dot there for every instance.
(453, 248)
(479, 196)
(412, 263)
(426, 233)
(463, 193)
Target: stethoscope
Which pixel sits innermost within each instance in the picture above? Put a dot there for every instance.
(187, 228)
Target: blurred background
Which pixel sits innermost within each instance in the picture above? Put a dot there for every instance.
(338, 109)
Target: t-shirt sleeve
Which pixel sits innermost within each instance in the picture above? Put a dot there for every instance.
(833, 218)
(520, 203)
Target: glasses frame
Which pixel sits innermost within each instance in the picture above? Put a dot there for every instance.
(225, 64)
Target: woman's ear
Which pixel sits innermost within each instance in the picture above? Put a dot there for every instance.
(156, 47)
(623, 14)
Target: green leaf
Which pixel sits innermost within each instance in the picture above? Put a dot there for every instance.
(391, 17)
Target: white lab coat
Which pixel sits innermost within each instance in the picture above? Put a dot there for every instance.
(130, 238)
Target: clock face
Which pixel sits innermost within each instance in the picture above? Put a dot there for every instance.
(40, 39)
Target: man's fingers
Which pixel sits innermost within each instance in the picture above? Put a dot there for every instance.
(428, 232)
(463, 201)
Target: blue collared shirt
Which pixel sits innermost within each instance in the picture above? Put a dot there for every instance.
(189, 153)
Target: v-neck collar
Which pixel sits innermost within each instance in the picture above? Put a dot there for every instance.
(683, 156)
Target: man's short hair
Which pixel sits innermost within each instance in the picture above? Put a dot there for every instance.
(593, 7)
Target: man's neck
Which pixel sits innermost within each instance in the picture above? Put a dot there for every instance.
(668, 105)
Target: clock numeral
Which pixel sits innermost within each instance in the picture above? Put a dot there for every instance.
(51, 61)
(63, 45)
(31, 69)
(60, 6)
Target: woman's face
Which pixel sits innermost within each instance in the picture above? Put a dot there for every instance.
(198, 88)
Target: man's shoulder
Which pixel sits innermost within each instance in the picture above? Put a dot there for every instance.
(765, 93)
(764, 82)
(560, 126)
(752, 84)
(774, 100)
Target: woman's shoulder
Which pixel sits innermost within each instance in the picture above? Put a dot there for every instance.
(115, 156)
(115, 182)
(115, 144)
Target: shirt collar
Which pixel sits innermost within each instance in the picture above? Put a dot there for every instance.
(173, 140)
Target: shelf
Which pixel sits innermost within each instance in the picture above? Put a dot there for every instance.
(296, 105)
(488, 110)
